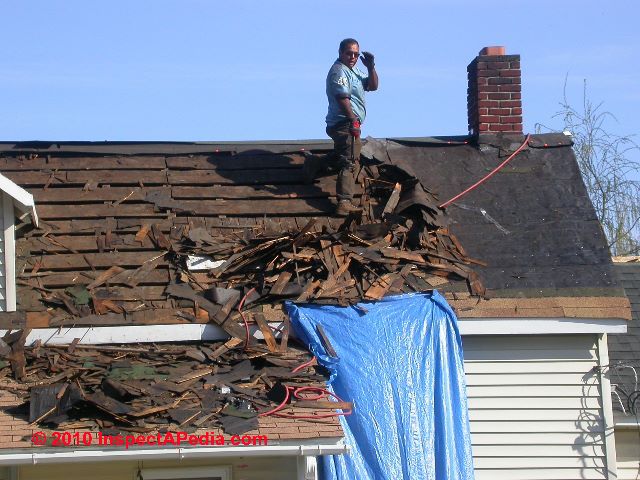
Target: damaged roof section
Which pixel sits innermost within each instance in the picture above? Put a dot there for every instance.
(531, 226)
(146, 234)
(131, 240)
(224, 273)
(121, 227)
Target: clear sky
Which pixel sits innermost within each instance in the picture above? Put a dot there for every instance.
(207, 70)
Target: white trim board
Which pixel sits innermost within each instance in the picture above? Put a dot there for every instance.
(607, 410)
(209, 332)
(540, 326)
(9, 252)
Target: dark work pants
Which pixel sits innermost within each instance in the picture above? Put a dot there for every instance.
(339, 133)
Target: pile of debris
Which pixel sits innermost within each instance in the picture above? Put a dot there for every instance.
(400, 242)
(150, 388)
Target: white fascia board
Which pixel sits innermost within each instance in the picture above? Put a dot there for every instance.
(23, 199)
(186, 332)
(126, 334)
(301, 448)
(540, 326)
(208, 332)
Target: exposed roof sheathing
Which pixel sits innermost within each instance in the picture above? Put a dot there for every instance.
(126, 224)
(532, 223)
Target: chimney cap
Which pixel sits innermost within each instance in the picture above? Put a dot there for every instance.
(496, 50)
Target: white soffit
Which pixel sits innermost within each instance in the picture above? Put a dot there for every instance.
(23, 199)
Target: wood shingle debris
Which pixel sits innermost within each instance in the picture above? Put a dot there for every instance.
(143, 388)
(400, 242)
(155, 252)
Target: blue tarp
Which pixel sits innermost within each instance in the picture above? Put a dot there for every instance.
(401, 364)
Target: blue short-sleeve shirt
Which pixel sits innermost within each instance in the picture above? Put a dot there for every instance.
(345, 82)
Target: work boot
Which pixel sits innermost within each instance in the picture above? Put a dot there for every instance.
(345, 207)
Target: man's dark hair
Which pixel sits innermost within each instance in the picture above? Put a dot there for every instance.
(346, 42)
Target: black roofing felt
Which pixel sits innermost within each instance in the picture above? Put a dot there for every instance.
(532, 222)
(624, 349)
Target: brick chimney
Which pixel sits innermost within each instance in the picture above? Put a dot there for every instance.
(494, 99)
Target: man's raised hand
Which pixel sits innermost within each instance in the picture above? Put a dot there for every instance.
(368, 60)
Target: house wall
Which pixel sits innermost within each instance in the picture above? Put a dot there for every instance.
(535, 407)
(628, 453)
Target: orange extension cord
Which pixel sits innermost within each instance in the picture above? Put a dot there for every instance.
(489, 175)
(297, 393)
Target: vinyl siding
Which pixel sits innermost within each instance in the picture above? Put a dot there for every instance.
(535, 407)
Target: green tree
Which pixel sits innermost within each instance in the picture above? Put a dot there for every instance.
(608, 168)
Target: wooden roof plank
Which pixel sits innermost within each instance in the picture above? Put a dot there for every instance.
(235, 162)
(81, 163)
(322, 188)
(257, 207)
(241, 177)
(103, 260)
(55, 212)
(69, 195)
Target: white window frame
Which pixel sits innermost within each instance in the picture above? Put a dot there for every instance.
(224, 472)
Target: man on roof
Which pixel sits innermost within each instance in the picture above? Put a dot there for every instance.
(346, 85)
